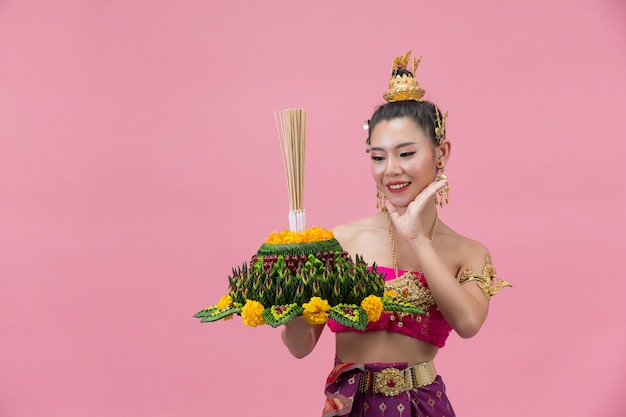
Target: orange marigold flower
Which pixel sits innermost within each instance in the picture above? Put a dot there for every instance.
(225, 301)
(390, 293)
(252, 313)
(373, 306)
(313, 234)
(315, 310)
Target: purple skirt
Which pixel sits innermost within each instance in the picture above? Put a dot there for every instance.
(343, 398)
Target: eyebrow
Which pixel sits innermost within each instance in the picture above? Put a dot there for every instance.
(402, 145)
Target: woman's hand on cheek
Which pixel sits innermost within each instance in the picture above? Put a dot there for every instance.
(409, 224)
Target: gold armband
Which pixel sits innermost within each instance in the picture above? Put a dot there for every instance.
(487, 281)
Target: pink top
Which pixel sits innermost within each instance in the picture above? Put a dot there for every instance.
(431, 327)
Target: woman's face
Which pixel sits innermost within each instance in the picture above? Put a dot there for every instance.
(403, 160)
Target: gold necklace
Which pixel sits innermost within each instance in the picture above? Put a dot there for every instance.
(431, 235)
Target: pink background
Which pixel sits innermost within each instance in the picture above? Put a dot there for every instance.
(140, 162)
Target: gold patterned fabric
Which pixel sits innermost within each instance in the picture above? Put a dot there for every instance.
(410, 289)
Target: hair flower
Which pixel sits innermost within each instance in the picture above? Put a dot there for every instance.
(252, 313)
(373, 306)
(315, 311)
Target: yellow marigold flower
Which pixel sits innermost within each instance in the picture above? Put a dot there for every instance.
(373, 306)
(251, 313)
(315, 311)
(225, 301)
(313, 234)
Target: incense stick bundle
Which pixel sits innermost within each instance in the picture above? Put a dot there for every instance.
(291, 126)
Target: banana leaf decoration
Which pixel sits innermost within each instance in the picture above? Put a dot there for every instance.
(284, 277)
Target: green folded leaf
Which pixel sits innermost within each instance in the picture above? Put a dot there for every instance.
(205, 312)
(306, 248)
(349, 315)
(390, 305)
(214, 313)
(279, 315)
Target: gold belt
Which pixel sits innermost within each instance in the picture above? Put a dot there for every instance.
(393, 381)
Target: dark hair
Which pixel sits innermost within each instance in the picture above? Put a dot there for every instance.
(423, 113)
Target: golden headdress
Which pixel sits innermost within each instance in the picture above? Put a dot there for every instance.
(403, 85)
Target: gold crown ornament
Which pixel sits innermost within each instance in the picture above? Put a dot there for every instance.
(403, 85)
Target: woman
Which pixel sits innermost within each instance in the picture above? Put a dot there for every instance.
(388, 369)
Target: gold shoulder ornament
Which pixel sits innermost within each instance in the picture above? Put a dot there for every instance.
(487, 281)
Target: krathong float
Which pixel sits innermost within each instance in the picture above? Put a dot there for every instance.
(303, 271)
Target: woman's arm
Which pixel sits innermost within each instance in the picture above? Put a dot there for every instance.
(300, 337)
(465, 306)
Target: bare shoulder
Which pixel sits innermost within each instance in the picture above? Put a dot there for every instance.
(475, 269)
(464, 251)
(471, 249)
(362, 236)
(349, 231)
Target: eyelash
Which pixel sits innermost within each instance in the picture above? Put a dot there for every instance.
(402, 155)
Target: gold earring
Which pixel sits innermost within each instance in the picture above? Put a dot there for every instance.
(380, 200)
(441, 200)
